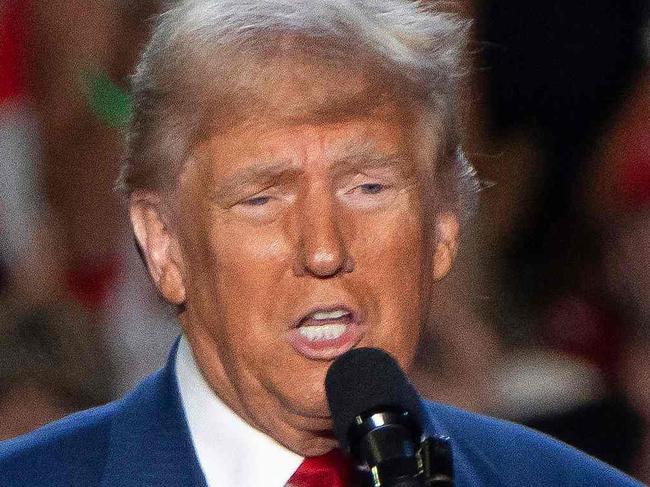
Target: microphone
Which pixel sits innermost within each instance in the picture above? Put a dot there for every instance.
(378, 420)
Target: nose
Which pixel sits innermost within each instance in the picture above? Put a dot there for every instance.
(322, 251)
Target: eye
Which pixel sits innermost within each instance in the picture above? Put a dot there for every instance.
(368, 189)
(374, 194)
(371, 188)
(257, 201)
(262, 207)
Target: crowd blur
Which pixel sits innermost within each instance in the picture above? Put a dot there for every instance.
(546, 318)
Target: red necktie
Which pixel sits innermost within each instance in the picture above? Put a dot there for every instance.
(330, 470)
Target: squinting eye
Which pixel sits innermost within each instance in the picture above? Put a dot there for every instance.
(371, 188)
(257, 201)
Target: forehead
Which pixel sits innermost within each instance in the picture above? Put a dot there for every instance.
(297, 109)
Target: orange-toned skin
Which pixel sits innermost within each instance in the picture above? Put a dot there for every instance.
(245, 261)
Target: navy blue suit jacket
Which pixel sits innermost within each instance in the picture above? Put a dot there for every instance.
(143, 440)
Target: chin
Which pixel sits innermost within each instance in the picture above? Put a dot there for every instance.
(309, 400)
(309, 416)
(315, 446)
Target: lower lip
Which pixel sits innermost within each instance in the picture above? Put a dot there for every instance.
(326, 349)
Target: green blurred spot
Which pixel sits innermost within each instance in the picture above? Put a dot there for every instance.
(107, 100)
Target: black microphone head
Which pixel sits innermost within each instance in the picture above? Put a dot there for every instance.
(367, 380)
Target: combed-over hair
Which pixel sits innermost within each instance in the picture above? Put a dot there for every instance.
(212, 64)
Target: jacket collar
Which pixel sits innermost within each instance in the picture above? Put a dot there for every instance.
(150, 443)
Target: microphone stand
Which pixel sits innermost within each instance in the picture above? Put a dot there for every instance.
(389, 454)
(434, 468)
(437, 464)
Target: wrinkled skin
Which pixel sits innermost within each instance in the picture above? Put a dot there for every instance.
(271, 219)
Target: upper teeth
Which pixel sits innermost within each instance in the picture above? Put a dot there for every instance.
(329, 315)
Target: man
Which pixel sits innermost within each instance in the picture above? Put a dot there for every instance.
(290, 177)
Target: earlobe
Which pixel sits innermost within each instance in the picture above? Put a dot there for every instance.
(447, 230)
(158, 246)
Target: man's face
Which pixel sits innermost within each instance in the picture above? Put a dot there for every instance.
(294, 243)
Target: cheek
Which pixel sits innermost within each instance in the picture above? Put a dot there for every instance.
(248, 270)
(228, 264)
(391, 247)
(249, 258)
(392, 265)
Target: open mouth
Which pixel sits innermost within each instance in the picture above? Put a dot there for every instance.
(325, 325)
(325, 333)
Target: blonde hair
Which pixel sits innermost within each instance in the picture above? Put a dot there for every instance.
(206, 60)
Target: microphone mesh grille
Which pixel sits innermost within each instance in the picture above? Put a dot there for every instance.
(367, 379)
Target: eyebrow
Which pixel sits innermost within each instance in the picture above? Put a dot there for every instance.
(366, 160)
(363, 155)
(353, 157)
(254, 174)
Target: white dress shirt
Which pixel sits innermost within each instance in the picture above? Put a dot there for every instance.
(230, 451)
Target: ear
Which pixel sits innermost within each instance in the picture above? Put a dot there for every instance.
(447, 229)
(158, 245)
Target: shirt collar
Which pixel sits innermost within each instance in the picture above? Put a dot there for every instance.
(229, 450)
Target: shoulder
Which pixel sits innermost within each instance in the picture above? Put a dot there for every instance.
(92, 447)
(71, 451)
(520, 456)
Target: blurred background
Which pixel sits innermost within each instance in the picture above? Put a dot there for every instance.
(546, 318)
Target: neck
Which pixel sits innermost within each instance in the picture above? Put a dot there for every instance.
(304, 436)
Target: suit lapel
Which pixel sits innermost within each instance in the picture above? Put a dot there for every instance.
(150, 443)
